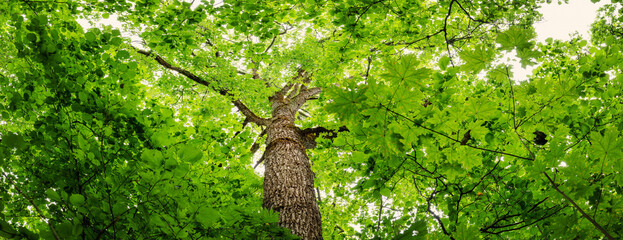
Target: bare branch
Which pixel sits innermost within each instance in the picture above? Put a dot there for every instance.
(271, 44)
(445, 30)
(510, 83)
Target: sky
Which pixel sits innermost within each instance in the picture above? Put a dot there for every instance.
(559, 22)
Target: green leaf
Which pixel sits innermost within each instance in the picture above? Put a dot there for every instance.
(170, 163)
(31, 37)
(465, 231)
(417, 230)
(443, 62)
(156, 220)
(13, 140)
(190, 154)
(607, 146)
(52, 195)
(76, 199)
(476, 60)
(152, 156)
(119, 208)
(65, 229)
(404, 70)
(123, 54)
(516, 37)
(481, 108)
(347, 103)
(90, 36)
(6, 230)
(116, 41)
(386, 192)
(207, 216)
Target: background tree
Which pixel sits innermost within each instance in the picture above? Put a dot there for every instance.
(413, 126)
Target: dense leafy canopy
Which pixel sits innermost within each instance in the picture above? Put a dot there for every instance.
(100, 140)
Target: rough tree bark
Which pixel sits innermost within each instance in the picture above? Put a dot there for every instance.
(288, 178)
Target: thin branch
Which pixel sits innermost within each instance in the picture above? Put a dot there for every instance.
(510, 83)
(445, 29)
(182, 71)
(250, 115)
(392, 43)
(506, 217)
(368, 68)
(453, 139)
(271, 44)
(582, 138)
(378, 224)
(552, 100)
(523, 226)
(468, 15)
(589, 218)
(428, 208)
(39, 212)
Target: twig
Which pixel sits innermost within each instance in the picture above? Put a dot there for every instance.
(510, 82)
(445, 29)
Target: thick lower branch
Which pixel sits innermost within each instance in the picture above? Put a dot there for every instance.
(251, 117)
(303, 96)
(182, 71)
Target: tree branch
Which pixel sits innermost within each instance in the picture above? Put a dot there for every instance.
(445, 30)
(451, 138)
(39, 212)
(182, 71)
(589, 218)
(303, 96)
(251, 117)
(318, 130)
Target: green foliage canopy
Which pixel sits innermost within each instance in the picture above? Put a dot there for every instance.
(100, 140)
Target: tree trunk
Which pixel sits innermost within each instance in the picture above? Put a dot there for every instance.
(288, 178)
